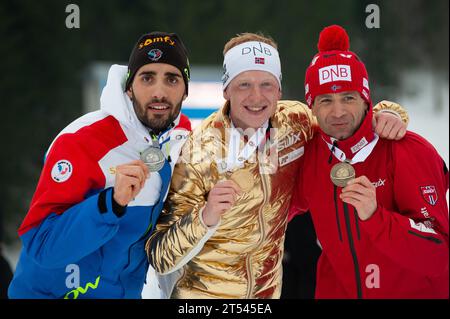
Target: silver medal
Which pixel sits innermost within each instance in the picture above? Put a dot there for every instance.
(154, 158)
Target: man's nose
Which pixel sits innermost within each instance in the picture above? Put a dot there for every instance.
(255, 93)
(159, 91)
(338, 109)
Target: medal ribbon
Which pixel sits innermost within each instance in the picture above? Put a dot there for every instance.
(237, 158)
(155, 141)
(359, 157)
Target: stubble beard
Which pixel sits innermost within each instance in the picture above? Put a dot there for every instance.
(156, 122)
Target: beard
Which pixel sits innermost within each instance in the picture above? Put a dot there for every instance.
(156, 122)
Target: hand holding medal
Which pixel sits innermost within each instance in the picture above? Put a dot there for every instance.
(361, 194)
(220, 199)
(130, 179)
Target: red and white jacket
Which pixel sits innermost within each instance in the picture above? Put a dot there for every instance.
(402, 251)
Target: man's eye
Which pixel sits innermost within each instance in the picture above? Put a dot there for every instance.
(349, 98)
(172, 80)
(267, 85)
(324, 101)
(146, 78)
(244, 85)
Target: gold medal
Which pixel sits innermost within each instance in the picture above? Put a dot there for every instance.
(341, 173)
(244, 179)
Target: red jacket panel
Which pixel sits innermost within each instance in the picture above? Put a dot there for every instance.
(402, 250)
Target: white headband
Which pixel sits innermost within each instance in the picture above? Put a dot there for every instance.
(251, 56)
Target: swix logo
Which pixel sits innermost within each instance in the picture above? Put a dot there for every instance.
(379, 183)
(335, 73)
(289, 140)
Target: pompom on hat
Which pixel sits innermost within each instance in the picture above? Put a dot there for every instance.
(335, 69)
(333, 38)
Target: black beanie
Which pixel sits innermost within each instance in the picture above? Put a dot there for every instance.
(159, 47)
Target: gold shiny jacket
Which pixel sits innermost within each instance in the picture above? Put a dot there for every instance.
(241, 257)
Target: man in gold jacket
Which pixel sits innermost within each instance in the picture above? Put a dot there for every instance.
(221, 233)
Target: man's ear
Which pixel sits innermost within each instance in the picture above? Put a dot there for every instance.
(314, 109)
(130, 93)
(184, 97)
(225, 95)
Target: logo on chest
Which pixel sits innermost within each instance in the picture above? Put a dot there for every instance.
(379, 183)
(429, 194)
(289, 140)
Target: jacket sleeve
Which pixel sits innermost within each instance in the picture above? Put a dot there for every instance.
(180, 232)
(66, 221)
(415, 235)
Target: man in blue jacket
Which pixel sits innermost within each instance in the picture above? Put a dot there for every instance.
(104, 180)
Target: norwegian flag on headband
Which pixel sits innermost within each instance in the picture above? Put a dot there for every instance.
(259, 61)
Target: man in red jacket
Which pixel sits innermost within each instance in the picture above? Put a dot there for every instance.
(379, 206)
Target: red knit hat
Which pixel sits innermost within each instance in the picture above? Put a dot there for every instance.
(335, 69)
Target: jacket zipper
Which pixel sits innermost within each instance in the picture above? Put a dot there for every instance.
(353, 252)
(133, 244)
(337, 213)
(248, 265)
(355, 213)
(349, 232)
(261, 239)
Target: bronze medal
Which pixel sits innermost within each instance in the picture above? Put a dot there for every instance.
(341, 173)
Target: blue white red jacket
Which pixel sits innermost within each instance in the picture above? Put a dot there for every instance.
(74, 244)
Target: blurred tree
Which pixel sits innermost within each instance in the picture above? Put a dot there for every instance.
(413, 36)
(38, 92)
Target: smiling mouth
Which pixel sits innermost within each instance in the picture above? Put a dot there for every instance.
(255, 110)
(159, 107)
